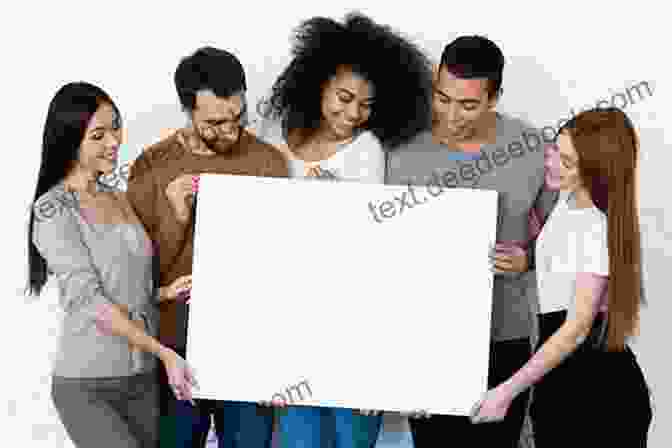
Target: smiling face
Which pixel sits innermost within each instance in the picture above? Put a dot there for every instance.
(460, 105)
(347, 99)
(217, 120)
(99, 149)
(568, 177)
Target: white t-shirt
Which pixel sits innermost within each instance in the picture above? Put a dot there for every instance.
(572, 240)
(361, 160)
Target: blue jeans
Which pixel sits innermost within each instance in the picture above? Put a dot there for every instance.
(237, 424)
(318, 427)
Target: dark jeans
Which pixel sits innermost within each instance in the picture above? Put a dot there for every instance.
(593, 398)
(237, 424)
(322, 427)
(506, 357)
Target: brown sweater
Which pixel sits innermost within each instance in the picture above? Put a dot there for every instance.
(152, 171)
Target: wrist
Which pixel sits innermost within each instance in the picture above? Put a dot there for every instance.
(511, 388)
(180, 212)
(182, 215)
(165, 353)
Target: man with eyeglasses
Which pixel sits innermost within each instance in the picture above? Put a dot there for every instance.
(162, 185)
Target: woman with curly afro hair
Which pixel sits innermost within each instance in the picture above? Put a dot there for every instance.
(352, 92)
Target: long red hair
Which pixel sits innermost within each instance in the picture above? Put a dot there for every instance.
(607, 146)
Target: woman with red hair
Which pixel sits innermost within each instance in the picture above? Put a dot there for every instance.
(589, 277)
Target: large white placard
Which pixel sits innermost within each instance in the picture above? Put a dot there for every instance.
(307, 291)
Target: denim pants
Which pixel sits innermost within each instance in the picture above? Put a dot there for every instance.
(319, 427)
(237, 424)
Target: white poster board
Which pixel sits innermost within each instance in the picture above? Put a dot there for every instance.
(301, 291)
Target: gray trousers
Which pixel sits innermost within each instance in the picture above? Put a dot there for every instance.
(114, 412)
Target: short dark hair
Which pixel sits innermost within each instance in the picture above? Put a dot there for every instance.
(399, 70)
(208, 68)
(470, 57)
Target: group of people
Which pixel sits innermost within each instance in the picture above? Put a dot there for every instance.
(358, 102)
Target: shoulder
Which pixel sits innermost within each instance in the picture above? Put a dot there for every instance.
(257, 144)
(55, 204)
(369, 140)
(528, 130)
(169, 149)
(520, 136)
(593, 244)
(268, 130)
(512, 123)
(420, 143)
(591, 229)
(275, 160)
(596, 220)
(516, 129)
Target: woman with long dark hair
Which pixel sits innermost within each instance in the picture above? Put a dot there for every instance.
(352, 91)
(104, 386)
(590, 387)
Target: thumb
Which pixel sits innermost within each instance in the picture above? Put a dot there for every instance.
(477, 407)
(191, 376)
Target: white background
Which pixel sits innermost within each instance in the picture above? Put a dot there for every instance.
(560, 55)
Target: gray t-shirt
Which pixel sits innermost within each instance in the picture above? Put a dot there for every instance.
(95, 263)
(514, 167)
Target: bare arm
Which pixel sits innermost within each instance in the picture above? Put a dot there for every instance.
(116, 322)
(495, 404)
(589, 290)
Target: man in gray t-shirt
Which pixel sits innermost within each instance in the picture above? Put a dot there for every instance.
(472, 146)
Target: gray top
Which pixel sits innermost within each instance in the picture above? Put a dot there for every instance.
(514, 167)
(94, 264)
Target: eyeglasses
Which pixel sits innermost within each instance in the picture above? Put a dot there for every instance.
(226, 126)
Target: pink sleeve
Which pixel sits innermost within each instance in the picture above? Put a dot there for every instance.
(597, 284)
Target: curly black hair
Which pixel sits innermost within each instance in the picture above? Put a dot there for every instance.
(400, 72)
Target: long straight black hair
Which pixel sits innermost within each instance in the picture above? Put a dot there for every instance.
(68, 116)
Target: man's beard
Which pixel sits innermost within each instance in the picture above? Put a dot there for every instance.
(217, 143)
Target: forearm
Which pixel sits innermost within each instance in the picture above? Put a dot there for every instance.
(117, 323)
(556, 349)
(163, 294)
(588, 293)
(171, 226)
(174, 229)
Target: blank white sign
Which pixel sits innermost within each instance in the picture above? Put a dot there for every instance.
(298, 282)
